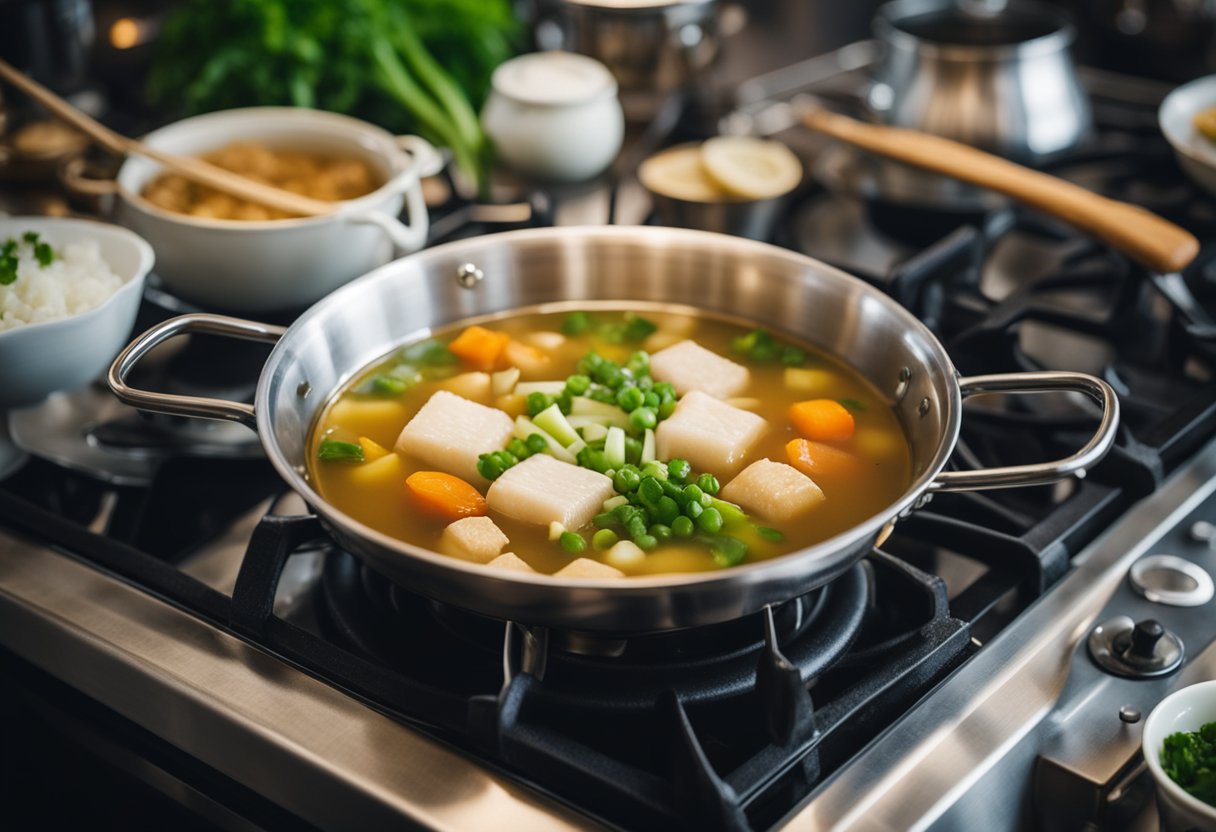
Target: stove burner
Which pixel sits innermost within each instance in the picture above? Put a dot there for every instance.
(591, 671)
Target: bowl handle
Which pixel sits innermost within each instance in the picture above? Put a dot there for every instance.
(198, 406)
(1040, 473)
(424, 161)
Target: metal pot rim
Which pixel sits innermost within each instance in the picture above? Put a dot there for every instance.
(890, 16)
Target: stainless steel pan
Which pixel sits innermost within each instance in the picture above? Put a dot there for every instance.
(408, 298)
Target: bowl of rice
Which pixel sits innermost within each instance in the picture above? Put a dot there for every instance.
(69, 292)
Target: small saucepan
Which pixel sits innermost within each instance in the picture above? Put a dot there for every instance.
(738, 278)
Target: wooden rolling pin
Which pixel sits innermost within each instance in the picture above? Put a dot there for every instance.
(196, 170)
(1150, 240)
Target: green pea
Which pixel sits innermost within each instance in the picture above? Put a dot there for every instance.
(536, 443)
(488, 467)
(642, 418)
(665, 390)
(537, 402)
(633, 450)
(626, 480)
(636, 527)
(645, 542)
(518, 449)
(629, 399)
(660, 532)
(731, 513)
(652, 400)
(578, 384)
(678, 469)
(666, 510)
(576, 323)
(708, 483)
(682, 527)
(572, 542)
(693, 492)
(655, 469)
(666, 409)
(604, 539)
(693, 509)
(710, 521)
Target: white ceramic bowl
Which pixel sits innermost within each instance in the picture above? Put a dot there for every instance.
(555, 116)
(1196, 154)
(1184, 710)
(240, 266)
(38, 359)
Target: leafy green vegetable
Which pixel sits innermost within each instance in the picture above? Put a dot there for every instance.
(10, 255)
(419, 65)
(1189, 758)
(760, 346)
(332, 450)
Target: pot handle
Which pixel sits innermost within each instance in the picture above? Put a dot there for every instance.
(176, 405)
(1040, 473)
(425, 160)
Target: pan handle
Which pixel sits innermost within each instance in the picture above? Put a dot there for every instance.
(198, 406)
(1040, 473)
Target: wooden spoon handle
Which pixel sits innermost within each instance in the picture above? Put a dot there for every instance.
(1150, 240)
(196, 170)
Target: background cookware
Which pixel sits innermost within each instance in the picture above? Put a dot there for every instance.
(635, 268)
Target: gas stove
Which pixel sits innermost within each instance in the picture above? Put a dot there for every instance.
(167, 609)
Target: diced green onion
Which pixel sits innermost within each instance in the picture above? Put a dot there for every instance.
(769, 534)
(331, 450)
(549, 388)
(525, 427)
(572, 542)
(503, 382)
(648, 453)
(613, 502)
(592, 432)
(655, 469)
(633, 450)
(693, 509)
(614, 447)
(553, 422)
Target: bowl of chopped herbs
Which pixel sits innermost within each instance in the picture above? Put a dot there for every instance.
(1179, 743)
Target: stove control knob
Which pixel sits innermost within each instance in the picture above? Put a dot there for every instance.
(1172, 581)
(1135, 649)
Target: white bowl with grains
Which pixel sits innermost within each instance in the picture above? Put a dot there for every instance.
(69, 292)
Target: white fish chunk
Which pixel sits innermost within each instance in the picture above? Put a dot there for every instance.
(773, 490)
(709, 433)
(588, 568)
(473, 538)
(689, 366)
(542, 489)
(512, 561)
(450, 432)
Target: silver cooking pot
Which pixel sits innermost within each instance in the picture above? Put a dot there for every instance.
(637, 268)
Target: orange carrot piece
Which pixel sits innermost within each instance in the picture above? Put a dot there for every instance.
(444, 496)
(823, 420)
(480, 347)
(821, 462)
(372, 450)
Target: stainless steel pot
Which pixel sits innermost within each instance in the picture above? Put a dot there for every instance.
(635, 267)
(1002, 81)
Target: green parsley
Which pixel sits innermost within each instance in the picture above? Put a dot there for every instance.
(9, 255)
(1189, 758)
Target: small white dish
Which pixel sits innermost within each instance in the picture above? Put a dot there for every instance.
(38, 359)
(1187, 709)
(1196, 153)
(555, 116)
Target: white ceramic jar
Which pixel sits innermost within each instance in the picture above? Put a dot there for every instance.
(555, 116)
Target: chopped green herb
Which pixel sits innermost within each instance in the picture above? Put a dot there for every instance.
(769, 534)
(331, 450)
(43, 254)
(1189, 758)
(576, 323)
(853, 405)
(761, 347)
(31, 237)
(727, 550)
(9, 259)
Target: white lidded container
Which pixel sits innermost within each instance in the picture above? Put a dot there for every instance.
(554, 116)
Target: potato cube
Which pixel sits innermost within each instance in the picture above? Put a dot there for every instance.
(473, 538)
(475, 386)
(588, 568)
(689, 366)
(773, 490)
(367, 417)
(512, 561)
(709, 433)
(542, 489)
(383, 474)
(449, 433)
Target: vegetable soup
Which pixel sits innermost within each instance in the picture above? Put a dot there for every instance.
(603, 443)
